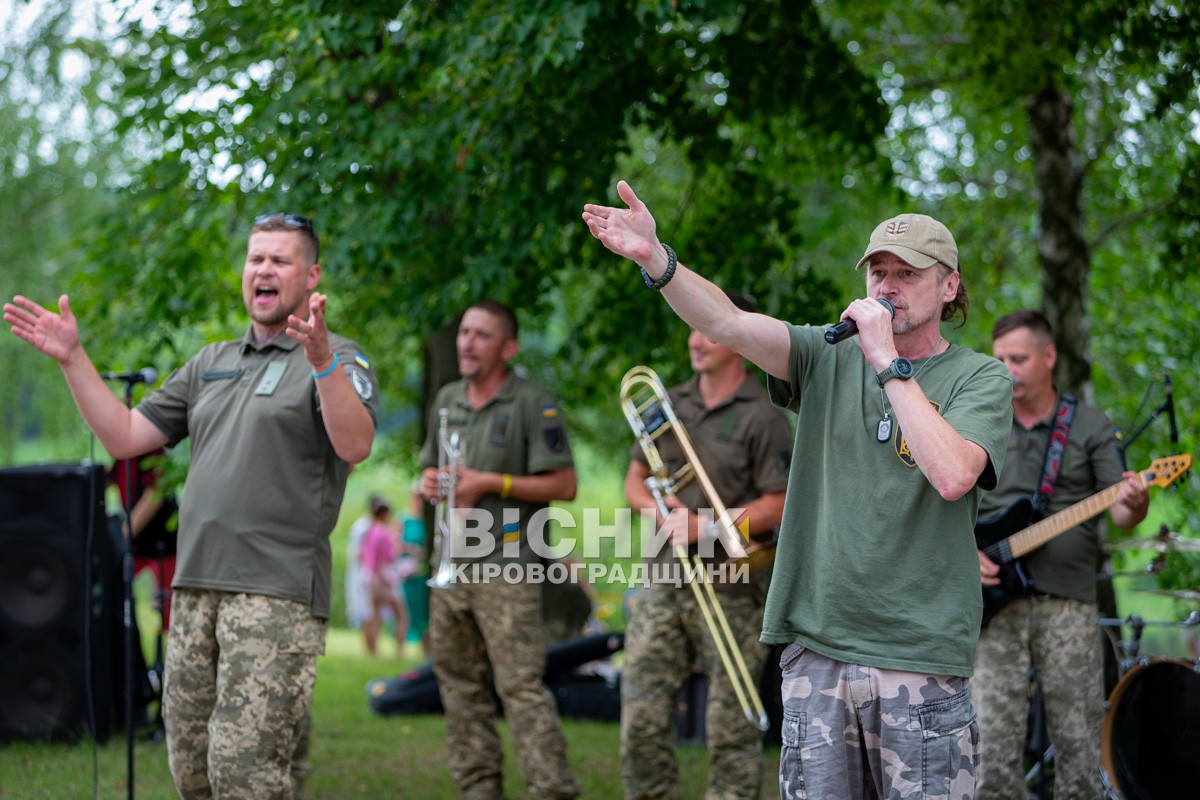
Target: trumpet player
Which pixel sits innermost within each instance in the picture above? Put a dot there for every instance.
(516, 460)
(743, 443)
(876, 580)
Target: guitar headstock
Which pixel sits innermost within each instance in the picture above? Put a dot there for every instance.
(1165, 471)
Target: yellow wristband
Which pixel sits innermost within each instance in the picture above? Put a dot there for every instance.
(507, 487)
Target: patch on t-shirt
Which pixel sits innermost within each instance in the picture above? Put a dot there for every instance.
(902, 450)
(360, 381)
(499, 433)
(555, 438)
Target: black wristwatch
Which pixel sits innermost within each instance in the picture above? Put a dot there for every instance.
(900, 368)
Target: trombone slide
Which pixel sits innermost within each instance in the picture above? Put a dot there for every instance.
(650, 414)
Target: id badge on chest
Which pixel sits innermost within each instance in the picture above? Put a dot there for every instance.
(271, 378)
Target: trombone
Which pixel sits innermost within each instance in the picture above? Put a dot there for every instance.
(650, 413)
(450, 454)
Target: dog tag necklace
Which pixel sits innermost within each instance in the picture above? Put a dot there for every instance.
(883, 431)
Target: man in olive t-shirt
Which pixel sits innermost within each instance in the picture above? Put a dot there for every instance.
(486, 625)
(898, 434)
(275, 419)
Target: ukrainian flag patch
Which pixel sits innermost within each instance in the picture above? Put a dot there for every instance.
(550, 411)
(361, 360)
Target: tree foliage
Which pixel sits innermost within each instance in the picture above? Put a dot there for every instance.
(446, 151)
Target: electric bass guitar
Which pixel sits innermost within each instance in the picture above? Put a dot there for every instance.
(1008, 535)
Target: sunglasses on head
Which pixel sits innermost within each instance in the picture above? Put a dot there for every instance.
(294, 220)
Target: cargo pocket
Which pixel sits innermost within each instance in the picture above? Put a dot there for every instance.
(950, 744)
(791, 773)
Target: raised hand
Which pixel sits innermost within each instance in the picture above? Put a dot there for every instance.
(628, 232)
(55, 335)
(312, 334)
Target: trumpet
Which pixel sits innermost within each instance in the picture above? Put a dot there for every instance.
(650, 414)
(449, 459)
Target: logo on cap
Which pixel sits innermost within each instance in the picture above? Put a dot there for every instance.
(897, 228)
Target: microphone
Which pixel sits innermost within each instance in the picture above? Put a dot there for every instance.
(1170, 406)
(848, 327)
(147, 375)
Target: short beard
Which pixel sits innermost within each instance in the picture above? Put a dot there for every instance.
(274, 320)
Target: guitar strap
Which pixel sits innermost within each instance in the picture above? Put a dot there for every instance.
(1055, 447)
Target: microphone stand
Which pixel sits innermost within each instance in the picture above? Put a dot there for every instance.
(1167, 406)
(127, 608)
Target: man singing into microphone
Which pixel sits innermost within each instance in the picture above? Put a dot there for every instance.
(276, 418)
(876, 587)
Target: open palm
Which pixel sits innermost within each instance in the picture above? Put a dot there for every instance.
(56, 335)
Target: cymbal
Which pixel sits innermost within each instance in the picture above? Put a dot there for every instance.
(1178, 594)
(1171, 543)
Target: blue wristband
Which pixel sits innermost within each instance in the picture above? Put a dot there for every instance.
(326, 372)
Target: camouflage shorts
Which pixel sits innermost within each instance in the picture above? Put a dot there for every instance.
(851, 731)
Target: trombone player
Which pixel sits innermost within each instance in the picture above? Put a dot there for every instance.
(516, 461)
(743, 443)
(875, 588)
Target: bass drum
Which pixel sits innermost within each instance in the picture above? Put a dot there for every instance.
(1150, 742)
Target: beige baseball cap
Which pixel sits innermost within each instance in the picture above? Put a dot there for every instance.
(920, 240)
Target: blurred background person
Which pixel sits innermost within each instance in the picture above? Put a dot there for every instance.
(379, 556)
(358, 604)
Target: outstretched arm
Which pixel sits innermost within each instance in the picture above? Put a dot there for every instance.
(122, 432)
(630, 232)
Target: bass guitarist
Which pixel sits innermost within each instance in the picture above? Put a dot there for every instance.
(1060, 451)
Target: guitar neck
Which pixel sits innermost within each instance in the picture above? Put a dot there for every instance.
(1041, 532)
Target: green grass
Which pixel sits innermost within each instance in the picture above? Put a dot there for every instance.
(358, 755)
(355, 754)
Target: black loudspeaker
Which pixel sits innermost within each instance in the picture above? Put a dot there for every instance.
(57, 596)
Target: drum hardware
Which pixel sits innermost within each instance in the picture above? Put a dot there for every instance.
(1178, 594)
(1148, 746)
(648, 409)
(1149, 749)
(1136, 625)
(1154, 567)
(1166, 541)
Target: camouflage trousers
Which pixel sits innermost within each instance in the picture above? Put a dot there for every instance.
(664, 636)
(497, 624)
(237, 694)
(1060, 639)
(852, 732)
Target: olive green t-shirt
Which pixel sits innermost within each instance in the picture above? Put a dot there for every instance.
(744, 444)
(520, 431)
(873, 566)
(264, 484)
(1092, 461)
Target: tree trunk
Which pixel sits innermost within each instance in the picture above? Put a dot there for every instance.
(1062, 249)
(1065, 256)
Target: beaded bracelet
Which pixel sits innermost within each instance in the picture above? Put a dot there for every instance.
(326, 372)
(665, 278)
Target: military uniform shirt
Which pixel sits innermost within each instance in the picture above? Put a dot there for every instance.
(520, 431)
(1091, 462)
(264, 485)
(743, 443)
